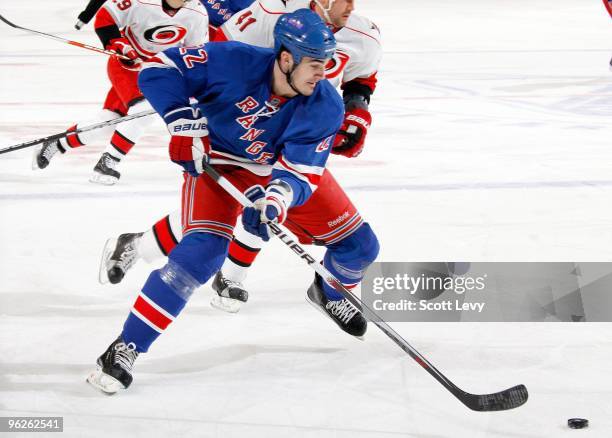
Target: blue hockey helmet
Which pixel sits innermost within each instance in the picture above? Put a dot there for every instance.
(303, 33)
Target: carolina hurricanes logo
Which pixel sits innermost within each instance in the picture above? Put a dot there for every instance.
(166, 35)
(336, 65)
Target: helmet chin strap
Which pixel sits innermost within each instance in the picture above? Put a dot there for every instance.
(289, 77)
(325, 10)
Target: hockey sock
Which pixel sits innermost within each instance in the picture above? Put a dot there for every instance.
(167, 232)
(168, 289)
(242, 252)
(128, 133)
(161, 300)
(83, 138)
(348, 259)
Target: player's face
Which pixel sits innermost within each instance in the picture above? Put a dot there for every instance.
(341, 11)
(307, 74)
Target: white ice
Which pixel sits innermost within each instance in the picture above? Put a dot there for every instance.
(490, 142)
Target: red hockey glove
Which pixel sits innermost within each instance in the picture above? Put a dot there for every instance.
(122, 47)
(351, 137)
(190, 152)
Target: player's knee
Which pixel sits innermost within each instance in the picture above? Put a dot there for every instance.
(200, 255)
(361, 245)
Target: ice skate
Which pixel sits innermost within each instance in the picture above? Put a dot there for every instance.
(118, 256)
(114, 371)
(104, 172)
(230, 295)
(347, 317)
(43, 154)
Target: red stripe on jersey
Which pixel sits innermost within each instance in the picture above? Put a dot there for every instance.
(164, 236)
(362, 33)
(134, 43)
(73, 139)
(152, 315)
(242, 253)
(312, 177)
(369, 82)
(270, 12)
(104, 19)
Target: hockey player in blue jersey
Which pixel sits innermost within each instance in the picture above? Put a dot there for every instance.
(264, 118)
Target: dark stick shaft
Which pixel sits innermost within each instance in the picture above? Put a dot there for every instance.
(77, 131)
(472, 401)
(63, 40)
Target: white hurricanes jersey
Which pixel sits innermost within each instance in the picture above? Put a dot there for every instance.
(358, 43)
(150, 29)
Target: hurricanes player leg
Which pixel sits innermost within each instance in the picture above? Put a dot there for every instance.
(132, 30)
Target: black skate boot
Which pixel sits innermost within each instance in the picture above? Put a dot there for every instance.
(42, 155)
(347, 317)
(114, 370)
(118, 256)
(104, 172)
(230, 294)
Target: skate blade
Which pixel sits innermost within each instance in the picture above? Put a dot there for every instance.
(37, 150)
(103, 382)
(109, 247)
(228, 305)
(105, 180)
(317, 307)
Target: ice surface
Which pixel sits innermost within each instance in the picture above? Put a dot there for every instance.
(490, 142)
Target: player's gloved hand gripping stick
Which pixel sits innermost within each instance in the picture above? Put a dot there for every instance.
(499, 401)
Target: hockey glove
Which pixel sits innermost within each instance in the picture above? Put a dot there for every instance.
(191, 153)
(122, 46)
(272, 207)
(186, 122)
(351, 137)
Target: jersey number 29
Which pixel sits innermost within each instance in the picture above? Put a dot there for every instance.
(123, 4)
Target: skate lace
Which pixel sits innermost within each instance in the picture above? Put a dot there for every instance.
(109, 161)
(125, 355)
(49, 150)
(128, 255)
(342, 309)
(227, 283)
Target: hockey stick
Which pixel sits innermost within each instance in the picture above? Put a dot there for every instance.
(499, 401)
(608, 5)
(63, 40)
(77, 131)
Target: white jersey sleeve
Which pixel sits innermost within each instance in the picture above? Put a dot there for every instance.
(255, 24)
(360, 41)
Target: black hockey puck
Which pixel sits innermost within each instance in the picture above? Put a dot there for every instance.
(578, 423)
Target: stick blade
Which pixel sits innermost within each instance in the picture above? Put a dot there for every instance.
(500, 401)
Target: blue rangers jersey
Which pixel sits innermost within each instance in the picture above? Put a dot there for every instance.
(289, 139)
(219, 11)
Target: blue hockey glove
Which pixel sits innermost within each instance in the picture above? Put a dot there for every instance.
(270, 206)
